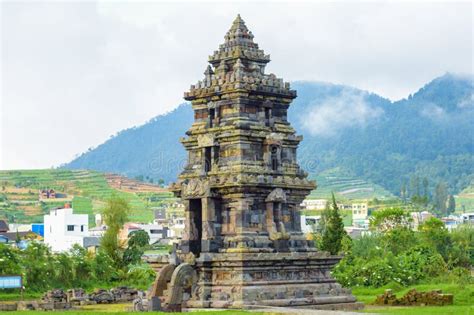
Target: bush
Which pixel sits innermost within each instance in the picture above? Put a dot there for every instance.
(139, 276)
(405, 268)
(10, 263)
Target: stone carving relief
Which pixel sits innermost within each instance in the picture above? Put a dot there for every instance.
(206, 140)
(277, 195)
(196, 188)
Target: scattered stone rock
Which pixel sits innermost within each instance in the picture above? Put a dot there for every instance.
(102, 296)
(414, 297)
(124, 294)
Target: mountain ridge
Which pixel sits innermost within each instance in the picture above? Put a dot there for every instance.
(386, 142)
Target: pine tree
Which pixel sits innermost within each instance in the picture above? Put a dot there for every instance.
(333, 232)
(451, 204)
(441, 196)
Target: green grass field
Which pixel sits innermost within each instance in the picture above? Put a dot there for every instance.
(346, 186)
(88, 191)
(465, 200)
(463, 302)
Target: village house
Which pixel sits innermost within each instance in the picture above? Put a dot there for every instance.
(176, 229)
(418, 218)
(97, 231)
(360, 212)
(17, 237)
(19, 227)
(451, 222)
(47, 194)
(4, 226)
(63, 228)
(314, 204)
(127, 229)
(156, 232)
(160, 216)
(310, 223)
(468, 217)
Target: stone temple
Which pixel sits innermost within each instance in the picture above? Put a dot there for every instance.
(242, 187)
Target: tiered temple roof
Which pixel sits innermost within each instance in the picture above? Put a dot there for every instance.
(239, 64)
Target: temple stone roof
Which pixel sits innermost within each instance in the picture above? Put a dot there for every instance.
(239, 64)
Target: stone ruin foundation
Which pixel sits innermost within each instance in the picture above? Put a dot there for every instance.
(242, 188)
(414, 297)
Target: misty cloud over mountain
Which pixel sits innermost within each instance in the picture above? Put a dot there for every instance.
(348, 109)
(428, 134)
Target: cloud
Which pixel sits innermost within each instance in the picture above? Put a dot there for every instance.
(434, 112)
(333, 115)
(467, 102)
(73, 73)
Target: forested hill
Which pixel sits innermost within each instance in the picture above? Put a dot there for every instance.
(429, 134)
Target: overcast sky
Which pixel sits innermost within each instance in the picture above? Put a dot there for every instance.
(73, 74)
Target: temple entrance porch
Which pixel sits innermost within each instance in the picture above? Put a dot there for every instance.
(195, 209)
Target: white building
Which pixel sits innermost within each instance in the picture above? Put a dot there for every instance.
(314, 204)
(468, 217)
(63, 229)
(309, 223)
(176, 229)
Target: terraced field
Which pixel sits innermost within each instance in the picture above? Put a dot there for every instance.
(347, 187)
(87, 190)
(465, 200)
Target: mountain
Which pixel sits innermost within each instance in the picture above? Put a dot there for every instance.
(427, 135)
(152, 149)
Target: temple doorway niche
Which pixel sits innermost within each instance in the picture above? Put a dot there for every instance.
(195, 207)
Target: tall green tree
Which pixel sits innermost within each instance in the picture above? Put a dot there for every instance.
(451, 204)
(426, 192)
(440, 198)
(403, 191)
(333, 232)
(115, 215)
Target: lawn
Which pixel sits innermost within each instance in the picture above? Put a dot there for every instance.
(463, 299)
(423, 310)
(122, 309)
(112, 311)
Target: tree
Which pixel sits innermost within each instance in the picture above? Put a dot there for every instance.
(388, 219)
(441, 195)
(426, 192)
(414, 186)
(103, 268)
(137, 243)
(403, 191)
(82, 264)
(451, 205)
(333, 232)
(10, 261)
(115, 214)
(38, 263)
(436, 235)
(138, 238)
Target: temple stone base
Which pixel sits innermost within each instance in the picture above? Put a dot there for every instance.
(246, 280)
